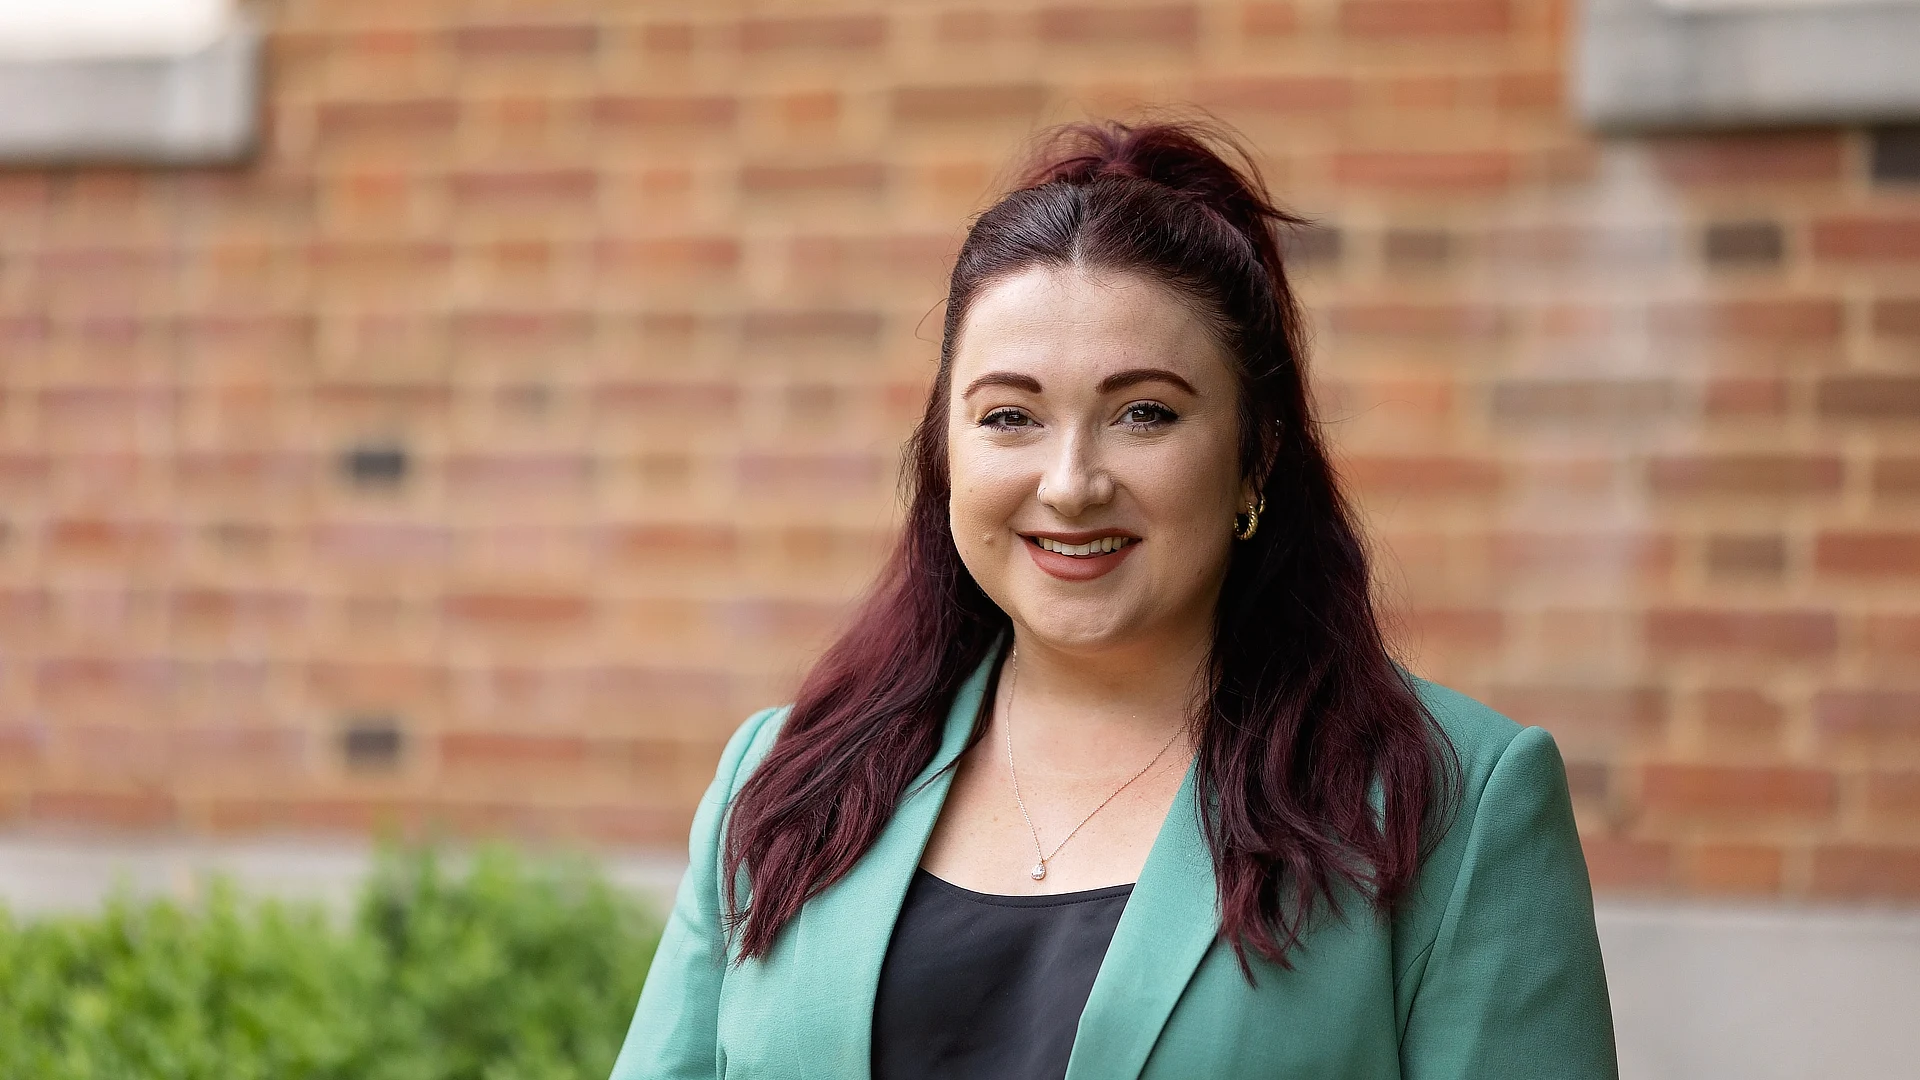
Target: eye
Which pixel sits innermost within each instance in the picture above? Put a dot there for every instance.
(1007, 418)
(1147, 416)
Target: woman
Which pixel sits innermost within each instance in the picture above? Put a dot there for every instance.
(1112, 775)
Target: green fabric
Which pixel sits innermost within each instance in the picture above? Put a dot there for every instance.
(1490, 970)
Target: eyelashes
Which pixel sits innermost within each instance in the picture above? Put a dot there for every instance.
(1156, 416)
(1139, 416)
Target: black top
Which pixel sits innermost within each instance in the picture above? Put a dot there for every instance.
(980, 986)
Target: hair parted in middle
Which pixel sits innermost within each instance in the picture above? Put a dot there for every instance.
(1306, 710)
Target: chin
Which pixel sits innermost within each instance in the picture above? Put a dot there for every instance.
(1073, 628)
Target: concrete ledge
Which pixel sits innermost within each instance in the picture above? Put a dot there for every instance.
(1712, 992)
(1643, 64)
(193, 108)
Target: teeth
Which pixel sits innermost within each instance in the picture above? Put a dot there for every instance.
(1093, 547)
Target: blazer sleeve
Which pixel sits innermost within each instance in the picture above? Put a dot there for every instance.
(674, 1033)
(1513, 985)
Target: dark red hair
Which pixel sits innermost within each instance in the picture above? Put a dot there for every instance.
(1307, 708)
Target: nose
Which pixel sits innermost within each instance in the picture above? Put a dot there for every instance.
(1075, 480)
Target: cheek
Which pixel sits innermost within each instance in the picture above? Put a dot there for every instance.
(987, 491)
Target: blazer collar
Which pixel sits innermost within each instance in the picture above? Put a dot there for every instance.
(1167, 926)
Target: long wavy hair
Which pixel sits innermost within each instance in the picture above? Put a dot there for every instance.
(1307, 710)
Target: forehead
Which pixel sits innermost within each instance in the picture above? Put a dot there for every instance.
(1077, 325)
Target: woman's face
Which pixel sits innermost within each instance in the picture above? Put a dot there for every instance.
(1093, 435)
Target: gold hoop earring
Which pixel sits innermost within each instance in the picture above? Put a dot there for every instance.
(1252, 517)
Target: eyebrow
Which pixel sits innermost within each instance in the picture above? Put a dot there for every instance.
(1119, 380)
(1003, 378)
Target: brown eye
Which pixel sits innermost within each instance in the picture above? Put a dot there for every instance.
(1006, 419)
(1147, 415)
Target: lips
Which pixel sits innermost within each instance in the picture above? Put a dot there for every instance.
(1079, 556)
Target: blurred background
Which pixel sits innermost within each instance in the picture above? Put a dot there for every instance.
(456, 416)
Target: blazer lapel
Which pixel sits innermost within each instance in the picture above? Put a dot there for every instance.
(1169, 923)
(841, 936)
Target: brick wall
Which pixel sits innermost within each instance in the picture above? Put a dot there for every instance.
(527, 412)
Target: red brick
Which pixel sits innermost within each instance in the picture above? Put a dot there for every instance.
(1745, 475)
(1617, 863)
(1884, 553)
(404, 118)
(845, 178)
(1002, 101)
(111, 809)
(1558, 555)
(831, 32)
(701, 402)
(1694, 790)
(1894, 637)
(663, 545)
(795, 474)
(1737, 869)
(1894, 793)
(1590, 400)
(1424, 476)
(1867, 239)
(519, 474)
(109, 539)
(236, 609)
(1872, 714)
(1861, 872)
(367, 683)
(789, 620)
(565, 40)
(1869, 397)
(1746, 557)
(382, 541)
(1175, 25)
(1896, 478)
(716, 112)
(1789, 157)
(1587, 716)
(825, 324)
(1897, 318)
(544, 610)
(513, 748)
(1784, 318)
(671, 258)
(1425, 321)
(522, 185)
(1778, 634)
(1457, 629)
(667, 37)
(1740, 718)
(1416, 171)
(557, 329)
(1424, 18)
(1269, 19)
(1727, 397)
(1275, 93)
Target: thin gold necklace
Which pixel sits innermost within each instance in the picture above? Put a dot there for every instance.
(1039, 871)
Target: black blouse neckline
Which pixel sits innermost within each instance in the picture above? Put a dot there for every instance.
(1022, 900)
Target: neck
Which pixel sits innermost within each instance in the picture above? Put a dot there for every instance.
(1076, 702)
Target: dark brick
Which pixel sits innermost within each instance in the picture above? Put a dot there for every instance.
(372, 741)
(1896, 154)
(1743, 243)
(1870, 397)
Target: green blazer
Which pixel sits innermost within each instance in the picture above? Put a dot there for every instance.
(1490, 969)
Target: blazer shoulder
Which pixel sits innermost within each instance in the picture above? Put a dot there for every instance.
(1478, 734)
(749, 743)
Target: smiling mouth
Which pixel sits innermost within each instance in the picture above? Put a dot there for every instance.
(1105, 545)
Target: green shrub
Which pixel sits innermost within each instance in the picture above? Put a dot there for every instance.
(508, 971)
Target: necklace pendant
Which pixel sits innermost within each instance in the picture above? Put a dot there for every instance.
(1038, 872)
